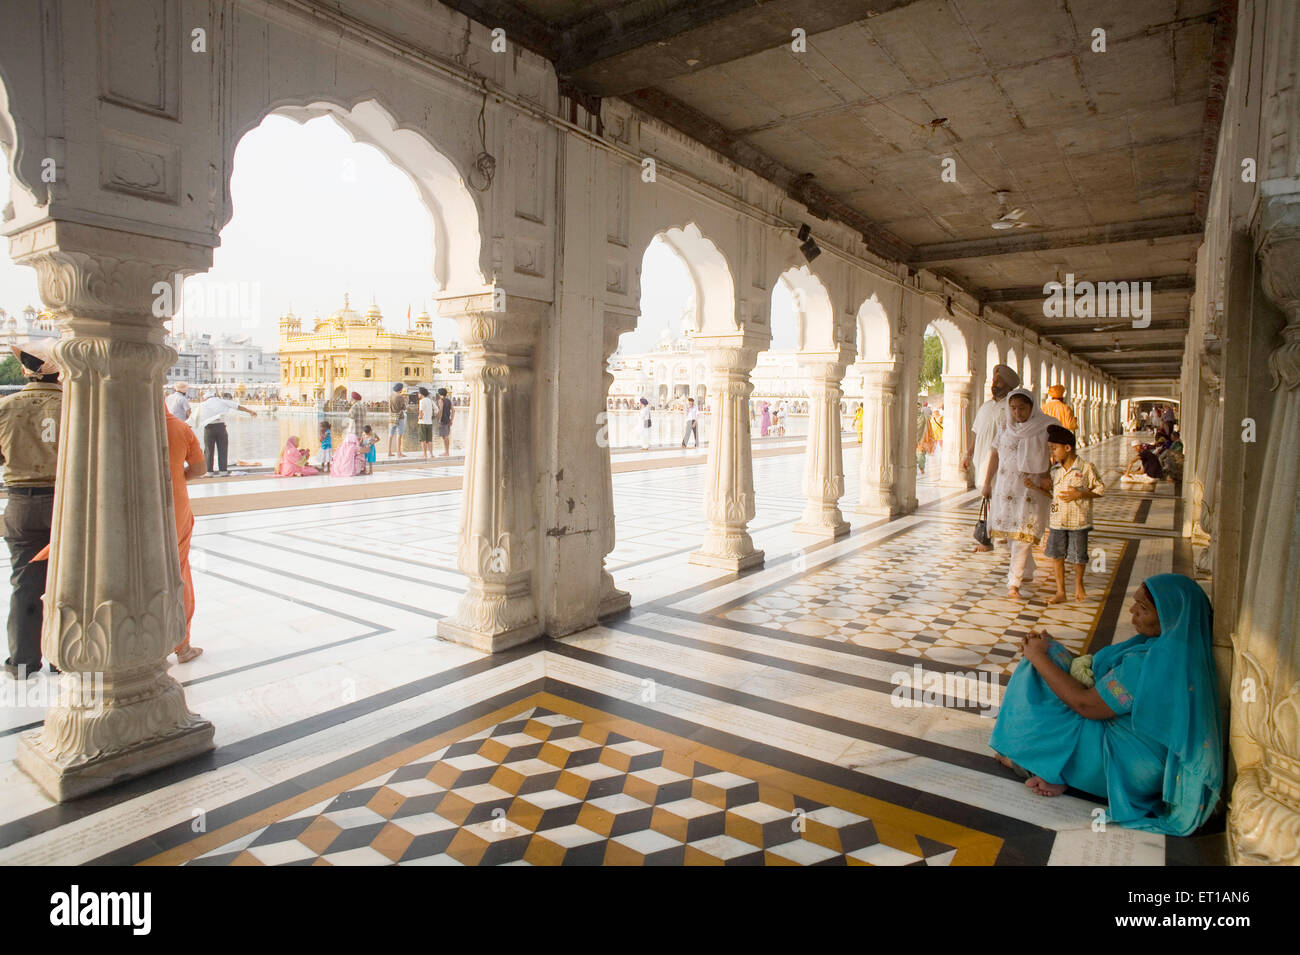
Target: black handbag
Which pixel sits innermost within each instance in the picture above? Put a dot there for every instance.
(982, 525)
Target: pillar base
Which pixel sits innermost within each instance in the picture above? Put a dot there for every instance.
(832, 531)
(733, 564)
(1261, 829)
(890, 509)
(487, 641)
(613, 601)
(65, 780)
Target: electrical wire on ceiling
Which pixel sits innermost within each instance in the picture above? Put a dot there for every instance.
(485, 164)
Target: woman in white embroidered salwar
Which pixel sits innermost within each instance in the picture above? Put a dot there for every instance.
(1018, 511)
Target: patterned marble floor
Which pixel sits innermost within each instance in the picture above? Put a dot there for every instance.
(724, 720)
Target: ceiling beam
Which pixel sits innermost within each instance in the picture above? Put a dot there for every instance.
(524, 28)
(642, 43)
(1171, 227)
(1225, 34)
(1086, 328)
(1160, 285)
(820, 203)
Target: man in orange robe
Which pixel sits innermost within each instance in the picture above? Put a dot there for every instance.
(1058, 409)
(185, 457)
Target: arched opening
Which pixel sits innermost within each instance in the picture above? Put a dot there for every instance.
(802, 319)
(22, 314)
(346, 253)
(943, 352)
(685, 283)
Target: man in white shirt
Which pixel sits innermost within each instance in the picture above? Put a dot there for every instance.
(178, 403)
(989, 420)
(425, 421)
(692, 425)
(212, 422)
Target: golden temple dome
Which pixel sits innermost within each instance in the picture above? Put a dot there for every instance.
(347, 315)
(373, 315)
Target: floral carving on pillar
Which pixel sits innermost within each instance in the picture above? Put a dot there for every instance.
(1264, 813)
(956, 430)
(877, 493)
(113, 596)
(612, 600)
(498, 518)
(823, 480)
(729, 504)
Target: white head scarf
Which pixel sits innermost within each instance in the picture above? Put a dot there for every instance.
(1031, 437)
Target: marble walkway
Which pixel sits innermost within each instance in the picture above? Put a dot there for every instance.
(766, 718)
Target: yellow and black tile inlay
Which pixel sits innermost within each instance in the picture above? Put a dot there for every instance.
(547, 781)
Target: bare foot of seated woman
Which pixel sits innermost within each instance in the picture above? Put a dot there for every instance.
(1043, 787)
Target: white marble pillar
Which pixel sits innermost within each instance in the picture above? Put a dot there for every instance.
(877, 493)
(956, 430)
(113, 602)
(1205, 479)
(1264, 812)
(729, 503)
(823, 476)
(612, 600)
(498, 514)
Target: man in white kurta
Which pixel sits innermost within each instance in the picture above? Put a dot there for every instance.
(989, 420)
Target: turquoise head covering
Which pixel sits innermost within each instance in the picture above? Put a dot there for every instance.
(1177, 704)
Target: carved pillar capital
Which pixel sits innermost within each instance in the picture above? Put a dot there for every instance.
(92, 278)
(1277, 241)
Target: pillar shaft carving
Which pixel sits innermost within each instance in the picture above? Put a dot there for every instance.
(729, 504)
(612, 600)
(1264, 812)
(498, 517)
(877, 494)
(113, 595)
(956, 430)
(823, 476)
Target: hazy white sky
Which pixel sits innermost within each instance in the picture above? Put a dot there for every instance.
(317, 215)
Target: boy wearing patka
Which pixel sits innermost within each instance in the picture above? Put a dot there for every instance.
(1072, 483)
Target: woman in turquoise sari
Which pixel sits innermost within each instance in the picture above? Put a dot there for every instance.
(1144, 733)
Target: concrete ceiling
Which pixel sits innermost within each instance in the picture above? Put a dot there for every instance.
(1107, 154)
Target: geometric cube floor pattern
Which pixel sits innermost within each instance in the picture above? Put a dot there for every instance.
(545, 788)
(923, 594)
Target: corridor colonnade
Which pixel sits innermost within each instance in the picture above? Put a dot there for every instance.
(538, 261)
(538, 265)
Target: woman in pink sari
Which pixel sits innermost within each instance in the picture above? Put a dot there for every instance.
(292, 460)
(765, 421)
(349, 460)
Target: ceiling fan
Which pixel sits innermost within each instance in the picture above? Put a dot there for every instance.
(1008, 218)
